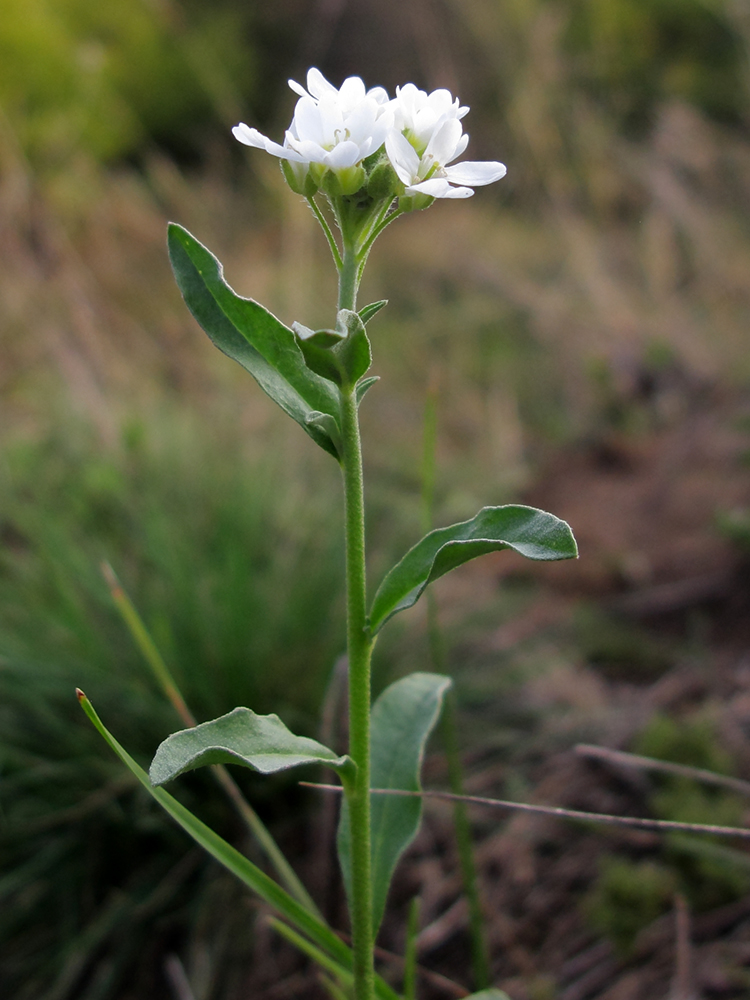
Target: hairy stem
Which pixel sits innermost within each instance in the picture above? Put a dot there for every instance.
(359, 648)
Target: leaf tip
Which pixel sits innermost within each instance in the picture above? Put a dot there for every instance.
(80, 695)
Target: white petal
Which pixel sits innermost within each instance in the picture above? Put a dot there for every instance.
(360, 123)
(378, 94)
(444, 142)
(438, 187)
(252, 137)
(309, 151)
(297, 88)
(309, 123)
(345, 154)
(442, 101)
(352, 91)
(403, 156)
(317, 83)
(461, 146)
(475, 173)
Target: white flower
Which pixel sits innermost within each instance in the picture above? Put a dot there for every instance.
(417, 113)
(426, 137)
(430, 173)
(334, 128)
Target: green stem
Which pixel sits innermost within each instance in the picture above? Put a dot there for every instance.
(359, 648)
(349, 281)
(327, 230)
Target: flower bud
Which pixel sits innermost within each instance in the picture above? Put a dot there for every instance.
(299, 177)
(383, 182)
(414, 202)
(343, 181)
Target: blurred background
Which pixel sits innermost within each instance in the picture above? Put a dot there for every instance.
(583, 327)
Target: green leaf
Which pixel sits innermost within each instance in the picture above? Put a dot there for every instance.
(250, 335)
(319, 356)
(364, 385)
(326, 422)
(402, 719)
(233, 861)
(528, 531)
(260, 742)
(367, 312)
(341, 356)
(323, 338)
(354, 353)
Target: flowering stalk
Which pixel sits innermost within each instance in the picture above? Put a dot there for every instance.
(372, 159)
(359, 650)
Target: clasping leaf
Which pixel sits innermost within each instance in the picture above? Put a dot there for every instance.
(532, 533)
(341, 356)
(260, 742)
(249, 334)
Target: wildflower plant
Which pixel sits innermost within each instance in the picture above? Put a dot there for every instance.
(361, 160)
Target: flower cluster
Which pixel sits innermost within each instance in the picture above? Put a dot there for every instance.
(342, 139)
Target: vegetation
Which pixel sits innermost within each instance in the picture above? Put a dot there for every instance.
(616, 260)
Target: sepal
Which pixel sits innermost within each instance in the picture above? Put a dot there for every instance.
(367, 312)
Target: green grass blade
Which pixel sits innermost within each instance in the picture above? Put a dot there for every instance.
(343, 976)
(228, 856)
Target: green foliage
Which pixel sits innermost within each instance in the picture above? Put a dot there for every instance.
(205, 541)
(628, 896)
(735, 525)
(532, 533)
(250, 335)
(619, 647)
(632, 54)
(402, 719)
(260, 742)
(106, 79)
(711, 873)
(692, 742)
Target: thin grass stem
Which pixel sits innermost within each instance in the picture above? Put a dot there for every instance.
(574, 814)
(665, 766)
(155, 660)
